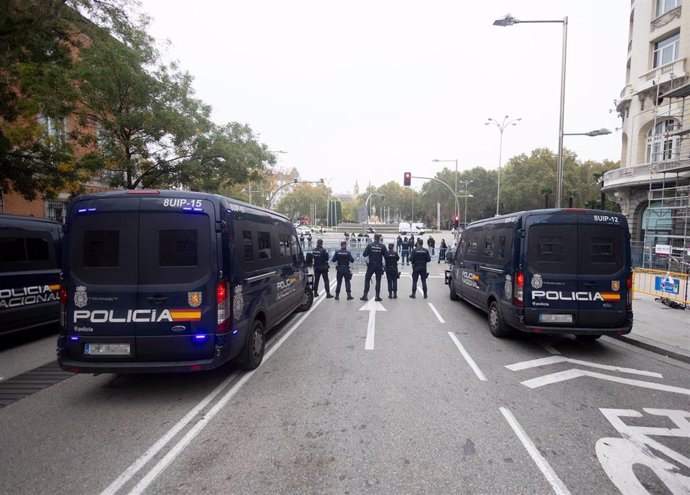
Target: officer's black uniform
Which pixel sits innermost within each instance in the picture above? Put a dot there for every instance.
(419, 257)
(321, 268)
(375, 251)
(343, 258)
(391, 259)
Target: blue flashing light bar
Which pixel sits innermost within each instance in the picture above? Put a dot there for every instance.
(234, 332)
(85, 210)
(74, 338)
(200, 337)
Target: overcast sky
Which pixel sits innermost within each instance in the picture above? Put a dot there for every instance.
(365, 90)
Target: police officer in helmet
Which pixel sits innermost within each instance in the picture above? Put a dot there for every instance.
(375, 252)
(321, 268)
(419, 257)
(343, 258)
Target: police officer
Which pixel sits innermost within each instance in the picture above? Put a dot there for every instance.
(321, 268)
(375, 252)
(343, 258)
(419, 257)
(392, 273)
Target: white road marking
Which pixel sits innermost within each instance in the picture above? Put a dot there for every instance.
(535, 363)
(438, 315)
(203, 421)
(543, 465)
(372, 307)
(468, 358)
(562, 376)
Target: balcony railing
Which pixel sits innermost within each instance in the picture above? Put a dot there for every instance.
(665, 18)
(662, 74)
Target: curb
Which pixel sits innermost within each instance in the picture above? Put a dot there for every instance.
(658, 349)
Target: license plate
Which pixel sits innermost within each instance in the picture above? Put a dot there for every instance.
(551, 318)
(106, 349)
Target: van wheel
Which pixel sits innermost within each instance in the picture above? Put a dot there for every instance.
(587, 338)
(497, 326)
(307, 300)
(453, 294)
(254, 347)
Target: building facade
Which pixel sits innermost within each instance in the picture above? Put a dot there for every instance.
(652, 186)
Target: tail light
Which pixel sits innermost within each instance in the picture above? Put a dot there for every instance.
(63, 308)
(224, 304)
(518, 289)
(629, 283)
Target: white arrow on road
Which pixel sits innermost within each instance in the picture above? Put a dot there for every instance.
(371, 306)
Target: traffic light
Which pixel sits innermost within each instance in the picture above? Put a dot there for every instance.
(456, 221)
(407, 180)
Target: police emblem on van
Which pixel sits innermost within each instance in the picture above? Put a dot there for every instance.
(537, 281)
(81, 299)
(194, 299)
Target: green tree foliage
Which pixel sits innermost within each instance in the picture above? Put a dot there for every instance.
(299, 202)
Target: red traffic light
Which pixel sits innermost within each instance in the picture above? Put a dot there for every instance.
(407, 179)
(456, 220)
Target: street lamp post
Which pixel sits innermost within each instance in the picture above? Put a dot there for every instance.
(367, 204)
(293, 181)
(501, 127)
(455, 191)
(466, 182)
(509, 21)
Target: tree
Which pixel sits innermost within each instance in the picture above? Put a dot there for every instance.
(301, 201)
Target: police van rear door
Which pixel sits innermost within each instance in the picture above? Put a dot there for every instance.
(550, 270)
(177, 279)
(602, 269)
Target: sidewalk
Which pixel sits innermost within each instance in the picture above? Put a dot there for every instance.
(659, 328)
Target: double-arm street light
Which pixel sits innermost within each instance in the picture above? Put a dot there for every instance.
(293, 181)
(367, 203)
(455, 191)
(466, 182)
(501, 127)
(509, 21)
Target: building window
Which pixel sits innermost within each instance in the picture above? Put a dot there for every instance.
(53, 129)
(663, 6)
(666, 50)
(660, 146)
(56, 210)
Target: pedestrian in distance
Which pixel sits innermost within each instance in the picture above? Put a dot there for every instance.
(309, 241)
(431, 244)
(343, 258)
(301, 240)
(442, 251)
(392, 273)
(419, 258)
(398, 244)
(321, 269)
(405, 252)
(375, 252)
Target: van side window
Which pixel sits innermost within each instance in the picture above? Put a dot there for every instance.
(502, 247)
(489, 246)
(178, 248)
(26, 251)
(12, 250)
(101, 248)
(247, 245)
(284, 241)
(264, 242)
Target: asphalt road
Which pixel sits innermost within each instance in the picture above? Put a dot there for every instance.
(432, 403)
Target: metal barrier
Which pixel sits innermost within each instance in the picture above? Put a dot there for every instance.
(661, 283)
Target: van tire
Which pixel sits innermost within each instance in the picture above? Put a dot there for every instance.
(307, 301)
(254, 346)
(497, 326)
(453, 294)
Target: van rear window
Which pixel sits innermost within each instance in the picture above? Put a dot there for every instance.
(601, 249)
(101, 248)
(552, 248)
(177, 248)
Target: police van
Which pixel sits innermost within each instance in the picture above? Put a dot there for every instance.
(174, 281)
(29, 272)
(553, 271)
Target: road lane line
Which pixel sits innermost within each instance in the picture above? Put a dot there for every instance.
(165, 439)
(535, 363)
(549, 348)
(468, 358)
(543, 465)
(438, 315)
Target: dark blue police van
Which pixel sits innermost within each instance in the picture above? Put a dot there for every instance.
(552, 271)
(29, 272)
(160, 281)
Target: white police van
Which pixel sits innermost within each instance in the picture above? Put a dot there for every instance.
(158, 281)
(29, 272)
(553, 271)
